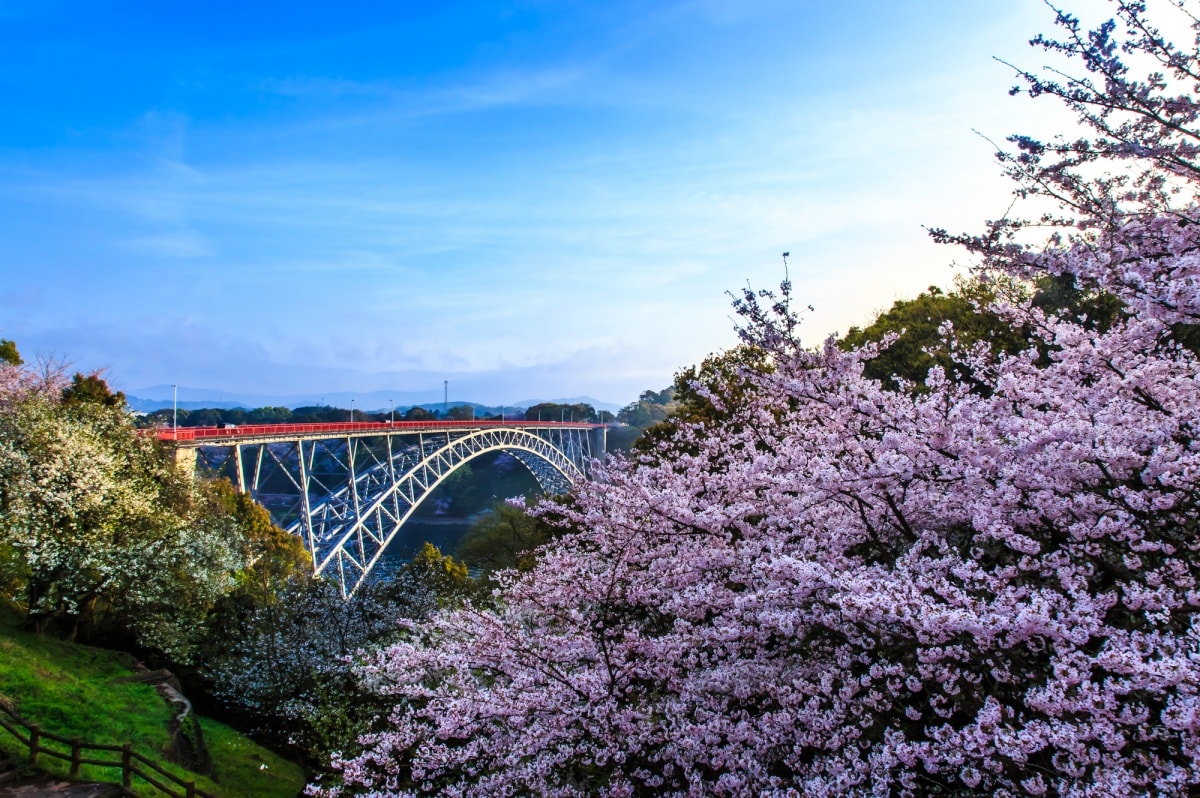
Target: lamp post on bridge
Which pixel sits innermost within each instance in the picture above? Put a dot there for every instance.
(175, 417)
(392, 403)
(351, 411)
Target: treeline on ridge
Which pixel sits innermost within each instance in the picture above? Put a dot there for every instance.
(318, 414)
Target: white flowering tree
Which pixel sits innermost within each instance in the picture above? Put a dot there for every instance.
(287, 664)
(98, 529)
(836, 589)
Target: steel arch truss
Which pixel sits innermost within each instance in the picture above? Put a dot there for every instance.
(347, 498)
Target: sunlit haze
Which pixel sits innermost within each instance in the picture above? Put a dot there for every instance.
(532, 200)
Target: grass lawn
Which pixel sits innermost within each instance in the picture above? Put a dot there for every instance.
(73, 691)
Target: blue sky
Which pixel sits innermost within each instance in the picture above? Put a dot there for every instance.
(529, 199)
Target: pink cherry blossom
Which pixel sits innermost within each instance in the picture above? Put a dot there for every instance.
(845, 590)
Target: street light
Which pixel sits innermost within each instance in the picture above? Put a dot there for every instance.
(393, 405)
(351, 411)
(175, 422)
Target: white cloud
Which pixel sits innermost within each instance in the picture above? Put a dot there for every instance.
(172, 245)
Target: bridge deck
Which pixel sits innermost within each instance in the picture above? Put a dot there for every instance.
(187, 437)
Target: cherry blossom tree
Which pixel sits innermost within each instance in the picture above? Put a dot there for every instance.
(829, 588)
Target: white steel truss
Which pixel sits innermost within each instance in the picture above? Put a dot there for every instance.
(347, 497)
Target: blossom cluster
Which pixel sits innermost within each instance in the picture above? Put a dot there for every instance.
(984, 587)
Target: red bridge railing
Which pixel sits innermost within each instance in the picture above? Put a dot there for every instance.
(337, 428)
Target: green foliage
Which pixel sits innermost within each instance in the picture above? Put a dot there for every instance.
(723, 376)
(649, 409)
(917, 323)
(273, 556)
(9, 354)
(312, 414)
(269, 415)
(461, 413)
(205, 417)
(551, 411)
(73, 690)
(473, 487)
(457, 495)
(439, 573)
(93, 389)
(502, 538)
(919, 345)
(1060, 295)
(459, 482)
(281, 666)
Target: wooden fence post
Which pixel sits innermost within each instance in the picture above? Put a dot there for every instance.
(190, 787)
(127, 765)
(35, 735)
(76, 755)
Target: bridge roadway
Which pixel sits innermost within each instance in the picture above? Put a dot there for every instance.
(191, 437)
(347, 488)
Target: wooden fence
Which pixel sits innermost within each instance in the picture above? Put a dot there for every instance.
(79, 753)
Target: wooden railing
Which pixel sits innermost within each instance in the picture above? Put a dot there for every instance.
(131, 763)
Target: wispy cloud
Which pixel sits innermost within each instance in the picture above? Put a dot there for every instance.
(568, 199)
(172, 245)
(467, 94)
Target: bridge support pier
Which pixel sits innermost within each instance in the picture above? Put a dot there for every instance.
(185, 460)
(598, 442)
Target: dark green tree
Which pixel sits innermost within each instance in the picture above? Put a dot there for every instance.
(91, 389)
(9, 354)
(205, 417)
(461, 413)
(553, 411)
(920, 345)
(269, 415)
(724, 375)
(502, 538)
(649, 409)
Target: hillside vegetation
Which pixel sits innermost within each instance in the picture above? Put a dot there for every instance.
(73, 690)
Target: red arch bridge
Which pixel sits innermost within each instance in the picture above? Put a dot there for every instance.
(346, 489)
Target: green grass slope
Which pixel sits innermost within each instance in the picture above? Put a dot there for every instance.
(74, 691)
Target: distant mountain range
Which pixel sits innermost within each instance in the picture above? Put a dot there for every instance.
(157, 397)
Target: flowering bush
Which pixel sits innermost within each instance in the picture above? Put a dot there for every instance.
(836, 589)
(103, 537)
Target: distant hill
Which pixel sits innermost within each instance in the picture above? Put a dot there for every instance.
(150, 405)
